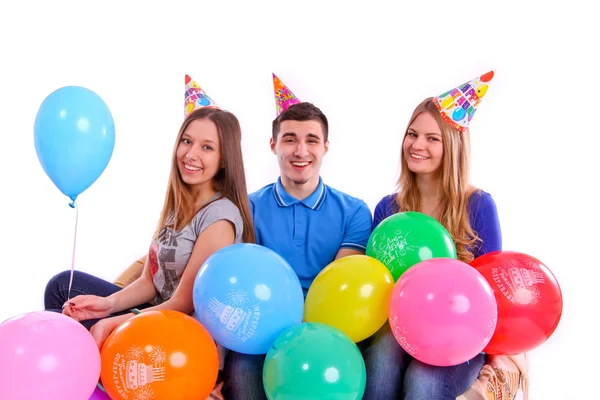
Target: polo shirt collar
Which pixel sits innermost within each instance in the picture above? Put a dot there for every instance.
(313, 201)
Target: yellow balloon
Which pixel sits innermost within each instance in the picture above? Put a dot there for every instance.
(352, 294)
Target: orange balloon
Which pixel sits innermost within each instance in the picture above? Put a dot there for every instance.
(159, 355)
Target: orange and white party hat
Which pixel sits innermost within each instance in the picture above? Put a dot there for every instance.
(195, 97)
(457, 106)
(283, 95)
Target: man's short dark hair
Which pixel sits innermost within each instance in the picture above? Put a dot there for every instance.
(301, 112)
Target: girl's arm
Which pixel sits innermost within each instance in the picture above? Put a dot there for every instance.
(140, 291)
(218, 235)
(84, 307)
(487, 226)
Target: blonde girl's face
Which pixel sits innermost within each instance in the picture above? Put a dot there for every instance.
(423, 148)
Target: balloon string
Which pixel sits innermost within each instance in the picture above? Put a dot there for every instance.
(74, 246)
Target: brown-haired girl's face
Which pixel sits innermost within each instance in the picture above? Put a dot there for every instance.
(199, 154)
(422, 147)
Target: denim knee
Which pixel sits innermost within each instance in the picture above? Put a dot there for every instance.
(243, 377)
(53, 298)
(385, 361)
(57, 288)
(62, 278)
(424, 382)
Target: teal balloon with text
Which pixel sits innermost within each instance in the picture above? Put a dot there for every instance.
(314, 361)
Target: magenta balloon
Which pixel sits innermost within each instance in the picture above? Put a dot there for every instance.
(443, 312)
(46, 355)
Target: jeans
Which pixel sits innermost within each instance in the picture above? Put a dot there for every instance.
(393, 374)
(243, 377)
(57, 291)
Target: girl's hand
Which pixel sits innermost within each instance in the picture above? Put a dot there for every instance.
(85, 307)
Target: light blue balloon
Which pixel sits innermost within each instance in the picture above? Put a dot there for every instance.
(246, 295)
(74, 136)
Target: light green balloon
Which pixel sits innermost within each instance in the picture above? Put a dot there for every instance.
(314, 361)
(407, 238)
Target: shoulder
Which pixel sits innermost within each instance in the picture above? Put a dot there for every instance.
(480, 200)
(223, 204)
(218, 209)
(482, 209)
(387, 202)
(387, 206)
(222, 209)
(352, 209)
(355, 216)
(263, 193)
(346, 200)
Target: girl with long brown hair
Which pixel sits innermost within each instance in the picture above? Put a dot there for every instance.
(206, 208)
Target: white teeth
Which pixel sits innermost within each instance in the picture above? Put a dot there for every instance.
(300, 164)
(418, 157)
(189, 167)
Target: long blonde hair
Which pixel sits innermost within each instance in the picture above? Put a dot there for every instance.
(179, 208)
(452, 210)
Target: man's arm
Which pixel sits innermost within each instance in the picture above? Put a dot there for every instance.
(347, 252)
(358, 231)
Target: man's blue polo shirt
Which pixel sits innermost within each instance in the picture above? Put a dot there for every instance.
(308, 233)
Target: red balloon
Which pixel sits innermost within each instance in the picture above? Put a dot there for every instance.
(529, 301)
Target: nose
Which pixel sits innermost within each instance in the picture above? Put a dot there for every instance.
(301, 150)
(419, 143)
(192, 154)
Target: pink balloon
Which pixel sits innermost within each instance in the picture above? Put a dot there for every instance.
(443, 312)
(99, 395)
(47, 355)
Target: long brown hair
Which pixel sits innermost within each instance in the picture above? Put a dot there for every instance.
(179, 209)
(455, 189)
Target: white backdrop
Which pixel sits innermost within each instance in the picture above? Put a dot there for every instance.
(367, 66)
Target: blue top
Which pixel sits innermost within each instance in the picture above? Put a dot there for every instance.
(483, 216)
(308, 233)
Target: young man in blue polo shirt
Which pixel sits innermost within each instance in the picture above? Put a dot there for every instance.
(305, 221)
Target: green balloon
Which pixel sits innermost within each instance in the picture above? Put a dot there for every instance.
(314, 361)
(407, 238)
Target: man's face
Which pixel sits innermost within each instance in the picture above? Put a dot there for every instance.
(300, 148)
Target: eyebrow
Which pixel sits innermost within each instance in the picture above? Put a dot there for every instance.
(429, 133)
(187, 136)
(293, 134)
